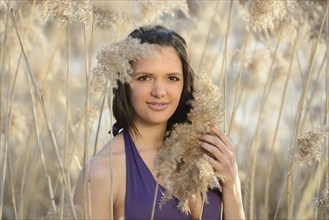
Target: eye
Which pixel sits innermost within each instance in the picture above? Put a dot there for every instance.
(143, 78)
(173, 78)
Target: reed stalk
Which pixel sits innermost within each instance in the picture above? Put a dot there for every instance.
(254, 145)
(83, 116)
(238, 84)
(280, 199)
(9, 118)
(3, 158)
(12, 93)
(86, 173)
(9, 122)
(6, 154)
(22, 192)
(208, 36)
(40, 98)
(290, 201)
(61, 214)
(299, 67)
(223, 66)
(111, 152)
(5, 147)
(308, 106)
(45, 75)
(326, 149)
(276, 131)
(99, 124)
(39, 144)
(326, 117)
(304, 212)
(104, 96)
(223, 80)
(26, 169)
(74, 143)
(66, 138)
(66, 123)
(202, 208)
(154, 201)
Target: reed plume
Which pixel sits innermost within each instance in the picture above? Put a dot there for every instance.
(114, 61)
(107, 19)
(180, 164)
(312, 11)
(261, 15)
(268, 16)
(307, 149)
(64, 213)
(66, 10)
(322, 201)
(153, 10)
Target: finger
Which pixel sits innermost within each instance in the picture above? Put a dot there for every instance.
(222, 136)
(214, 163)
(211, 139)
(217, 142)
(212, 149)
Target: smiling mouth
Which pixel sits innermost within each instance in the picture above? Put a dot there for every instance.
(157, 106)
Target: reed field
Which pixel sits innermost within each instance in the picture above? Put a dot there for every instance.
(268, 58)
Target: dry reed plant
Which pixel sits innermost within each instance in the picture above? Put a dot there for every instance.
(312, 11)
(322, 202)
(113, 61)
(268, 17)
(65, 213)
(261, 16)
(153, 10)
(107, 19)
(180, 164)
(307, 149)
(62, 51)
(66, 10)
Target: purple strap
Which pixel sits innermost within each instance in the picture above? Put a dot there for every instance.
(141, 186)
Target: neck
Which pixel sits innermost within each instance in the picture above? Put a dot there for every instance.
(150, 136)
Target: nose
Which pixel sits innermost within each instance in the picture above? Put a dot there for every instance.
(159, 89)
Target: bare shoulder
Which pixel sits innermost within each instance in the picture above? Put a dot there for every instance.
(101, 163)
(99, 177)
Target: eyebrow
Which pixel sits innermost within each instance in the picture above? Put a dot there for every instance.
(174, 73)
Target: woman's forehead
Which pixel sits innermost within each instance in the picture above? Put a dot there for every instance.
(167, 59)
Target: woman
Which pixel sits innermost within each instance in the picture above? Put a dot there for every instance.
(146, 110)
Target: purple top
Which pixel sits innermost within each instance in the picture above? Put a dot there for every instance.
(141, 186)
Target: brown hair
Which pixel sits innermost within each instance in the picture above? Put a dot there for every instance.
(162, 36)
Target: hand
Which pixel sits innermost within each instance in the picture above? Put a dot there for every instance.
(222, 150)
(223, 160)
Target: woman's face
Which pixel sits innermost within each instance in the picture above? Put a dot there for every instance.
(156, 88)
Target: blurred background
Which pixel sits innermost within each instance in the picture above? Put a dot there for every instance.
(269, 58)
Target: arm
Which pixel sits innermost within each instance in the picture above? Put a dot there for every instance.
(99, 193)
(224, 162)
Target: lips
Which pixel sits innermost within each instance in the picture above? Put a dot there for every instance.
(157, 106)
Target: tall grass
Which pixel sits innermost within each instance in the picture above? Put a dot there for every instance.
(53, 117)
